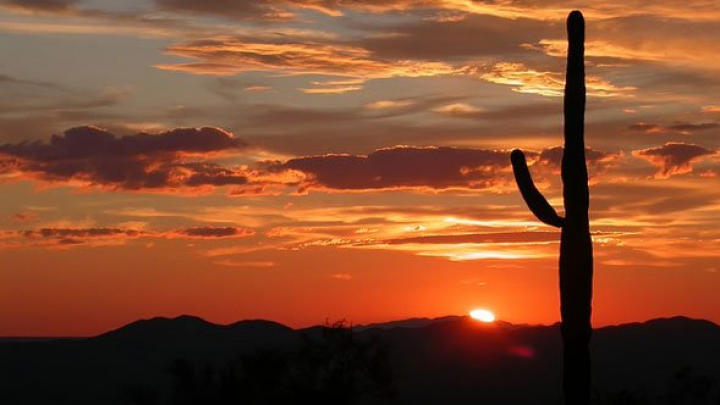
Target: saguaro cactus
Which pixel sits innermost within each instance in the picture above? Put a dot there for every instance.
(576, 257)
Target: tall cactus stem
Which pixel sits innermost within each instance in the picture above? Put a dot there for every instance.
(576, 254)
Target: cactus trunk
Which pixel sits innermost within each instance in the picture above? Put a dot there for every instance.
(576, 257)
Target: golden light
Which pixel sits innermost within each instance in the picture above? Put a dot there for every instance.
(482, 315)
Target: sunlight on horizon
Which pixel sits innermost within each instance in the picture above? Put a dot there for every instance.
(482, 315)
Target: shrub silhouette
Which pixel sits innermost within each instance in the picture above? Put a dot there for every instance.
(576, 258)
(686, 387)
(690, 388)
(334, 366)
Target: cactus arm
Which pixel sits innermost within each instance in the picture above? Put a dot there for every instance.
(532, 196)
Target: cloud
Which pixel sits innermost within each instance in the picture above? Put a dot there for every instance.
(402, 167)
(25, 217)
(527, 80)
(62, 233)
(596, 160)
(283, 9)
(95, 157)
(596, 50)
(241, 10)
(460, 110)
(480, 238)
(113, 235)
(228, 55)
(10, 80)
(515, 9)
(647, 127)
(424, 49)
(239, 264)
(214, 233)
(42, 5)
(472, 37)
(347, 117)
(685, 128)
(388, 104)
(78, 236)
(504, 113)
(674, 157)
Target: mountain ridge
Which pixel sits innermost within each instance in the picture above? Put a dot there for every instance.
(413, 322)
(439, 360)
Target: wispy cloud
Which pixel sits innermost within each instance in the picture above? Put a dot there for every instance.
(99, 236)
(527, 80)
(227, 55)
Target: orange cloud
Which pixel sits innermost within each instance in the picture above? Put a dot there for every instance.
(598, 49)
(526, 80)
(674, 157)
(480, 238)
(685, 128)
(227, 55)
(240, 264)
(282, 9)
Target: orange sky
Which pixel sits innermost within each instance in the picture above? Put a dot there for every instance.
(303, 160)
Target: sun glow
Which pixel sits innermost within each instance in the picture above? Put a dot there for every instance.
(482, 315)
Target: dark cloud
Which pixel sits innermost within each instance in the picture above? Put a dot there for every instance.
(232, 9)
(142, 161)
(694, 127)
(473, 36)
(646, 127)
(25, 217)
(497, 237)
(77, 236)
(214, 233)
(42, 5)
(674, 157)
(58, 102)
(596, 159)
(5, 79)
(404, 167)
(81, 233)
(682, 127)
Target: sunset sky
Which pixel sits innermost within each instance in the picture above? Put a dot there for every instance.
(304, 160)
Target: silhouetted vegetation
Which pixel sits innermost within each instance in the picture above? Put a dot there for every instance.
(576, 257)
(686, 387)
(447, 361)
(334, 366)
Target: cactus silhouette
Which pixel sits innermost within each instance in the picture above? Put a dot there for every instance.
(576, 258)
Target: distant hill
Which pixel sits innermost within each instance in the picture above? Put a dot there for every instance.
(450, 360)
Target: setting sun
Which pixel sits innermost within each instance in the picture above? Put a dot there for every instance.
(482, 315)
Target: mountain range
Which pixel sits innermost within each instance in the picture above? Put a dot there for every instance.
(449, 360)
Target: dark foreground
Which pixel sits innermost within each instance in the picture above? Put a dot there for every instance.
(452, 360)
